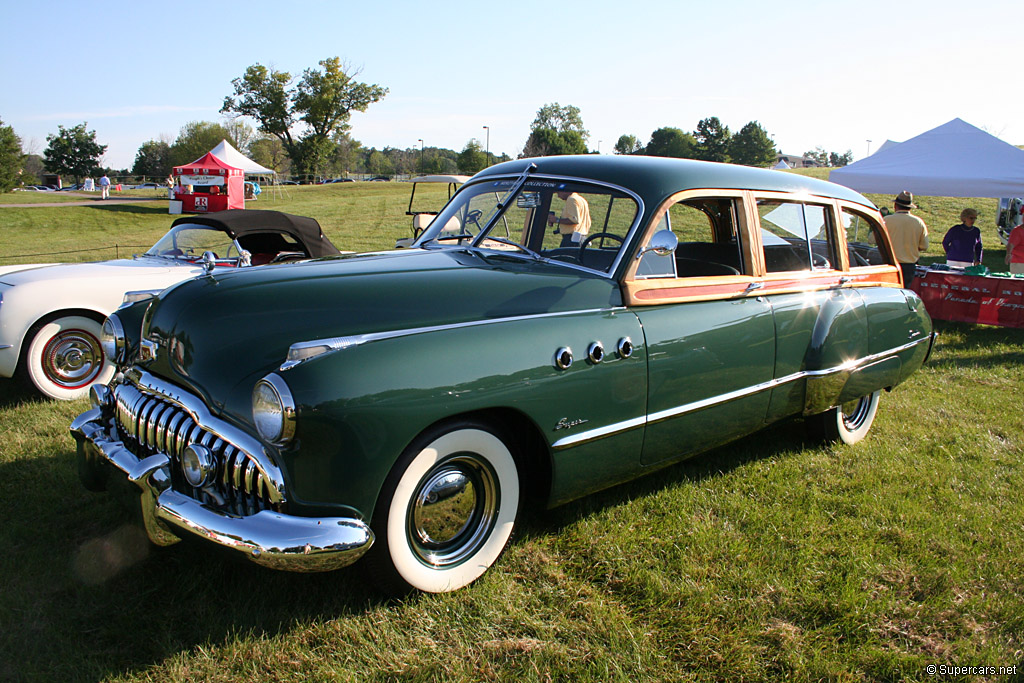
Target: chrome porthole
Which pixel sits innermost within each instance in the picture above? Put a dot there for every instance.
(563, 358)
(625, 347)
(595, 352)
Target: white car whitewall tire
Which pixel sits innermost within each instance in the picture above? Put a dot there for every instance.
(62, 357)
(447, 510)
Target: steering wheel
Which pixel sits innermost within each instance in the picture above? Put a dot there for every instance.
(591, 238)
(474, 217)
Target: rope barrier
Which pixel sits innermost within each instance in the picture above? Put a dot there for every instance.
(116, 248)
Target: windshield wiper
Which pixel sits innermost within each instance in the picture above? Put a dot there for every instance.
(503, 202)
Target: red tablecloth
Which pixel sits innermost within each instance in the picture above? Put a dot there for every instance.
(202, 203)
(971, 299)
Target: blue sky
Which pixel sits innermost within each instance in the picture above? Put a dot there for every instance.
(829, 74)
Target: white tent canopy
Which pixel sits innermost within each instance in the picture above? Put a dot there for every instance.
(954, 160)
(232, 157)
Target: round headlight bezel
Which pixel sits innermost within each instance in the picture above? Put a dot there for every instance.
(273, 410)
(113, 340)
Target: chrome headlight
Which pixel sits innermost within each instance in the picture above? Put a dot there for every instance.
(273, 410)
(112, 340)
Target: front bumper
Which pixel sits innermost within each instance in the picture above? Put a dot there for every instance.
(272, 539)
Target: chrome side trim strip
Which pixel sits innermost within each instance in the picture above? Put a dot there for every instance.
(300, 352)
(6, 346)
(661, 415)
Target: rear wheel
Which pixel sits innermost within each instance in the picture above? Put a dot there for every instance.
(447, 510)
(848, 423)
(63, 357)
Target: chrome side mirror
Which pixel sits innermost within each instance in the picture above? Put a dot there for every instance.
(663, 243)
(209, 261)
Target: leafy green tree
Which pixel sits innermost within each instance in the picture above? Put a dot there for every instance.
(556, 130)
(73, 152)
(269, 152)
(153, 159)
(752, 146)
(31, 169)
(549, 142)
(561, 119)
(378, 164)
(10, 158)
(818, 155)
(712, 140)
(317, 106)
(472, 158)
(348, 153)
(671, 142)
(838, 160)
(628, 144)
(195, 139)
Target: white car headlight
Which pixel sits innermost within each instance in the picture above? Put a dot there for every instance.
(112, 340)
(273, 410)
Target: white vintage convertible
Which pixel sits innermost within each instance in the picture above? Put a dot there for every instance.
(51, 315)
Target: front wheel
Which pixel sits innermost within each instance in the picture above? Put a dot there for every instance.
(447, 510)
(848, 423)
(63, 357)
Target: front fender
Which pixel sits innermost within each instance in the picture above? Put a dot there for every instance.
(359, 407)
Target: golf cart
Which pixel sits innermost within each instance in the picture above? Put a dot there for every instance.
(421, 219)
(1009, 217)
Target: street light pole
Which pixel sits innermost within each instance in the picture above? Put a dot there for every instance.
(420, 140)
(487, 150)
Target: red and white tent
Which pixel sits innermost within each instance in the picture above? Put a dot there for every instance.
(215, 185)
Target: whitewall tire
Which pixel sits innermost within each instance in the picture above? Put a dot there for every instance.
(849, 422)
(62, 357)
(447, 511)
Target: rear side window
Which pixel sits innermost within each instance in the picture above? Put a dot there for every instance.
(795, 236)
(862, 240)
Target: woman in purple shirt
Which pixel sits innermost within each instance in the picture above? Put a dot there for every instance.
(963, 242)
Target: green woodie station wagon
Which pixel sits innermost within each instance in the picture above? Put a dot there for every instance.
(563, 325)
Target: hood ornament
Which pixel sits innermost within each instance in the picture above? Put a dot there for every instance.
(209, 262)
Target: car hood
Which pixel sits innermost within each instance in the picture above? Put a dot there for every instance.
(123, 268)
(220, 334)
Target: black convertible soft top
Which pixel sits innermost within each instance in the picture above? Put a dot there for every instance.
(241, 222)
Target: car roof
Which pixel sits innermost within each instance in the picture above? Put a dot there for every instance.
(241, 222)
(659, 177)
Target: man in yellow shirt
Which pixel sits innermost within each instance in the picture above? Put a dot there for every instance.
(574, 223)
(908, 233)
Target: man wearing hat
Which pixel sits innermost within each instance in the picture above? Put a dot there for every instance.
(908, 233)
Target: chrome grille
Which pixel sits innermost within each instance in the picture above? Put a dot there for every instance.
(149, 424)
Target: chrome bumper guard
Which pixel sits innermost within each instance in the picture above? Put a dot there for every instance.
(271, 539)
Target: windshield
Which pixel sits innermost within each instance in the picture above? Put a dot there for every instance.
(188, 241)
(568, 221)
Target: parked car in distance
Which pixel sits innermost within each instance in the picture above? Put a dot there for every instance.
(51, 315)
(594, 318)
(33, 188)
(72, 188)
(380, 179)
(337, 180)
(149, 186)
(288, 182)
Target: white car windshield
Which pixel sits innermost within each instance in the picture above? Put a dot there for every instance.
(563, 220)
(189, 241)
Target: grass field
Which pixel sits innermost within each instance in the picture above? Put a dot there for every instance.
(773, 558)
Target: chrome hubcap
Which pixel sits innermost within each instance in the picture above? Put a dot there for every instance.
(72, 359)
(855, 412)
(453, 511)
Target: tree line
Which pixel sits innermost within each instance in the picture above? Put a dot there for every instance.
(302, 129)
